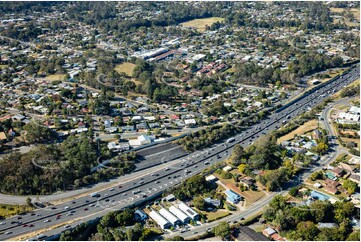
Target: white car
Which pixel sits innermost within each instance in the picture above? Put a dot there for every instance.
(46, 221)
(2, 223)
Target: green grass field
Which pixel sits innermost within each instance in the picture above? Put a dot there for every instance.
(200, 23)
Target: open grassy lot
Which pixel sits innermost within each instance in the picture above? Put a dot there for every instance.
(200, 23)
(354, 11)
(7, 210)
(220, 213)
(252, 196)
(3, 66)
(125, 67)
(306, 127)
(56, 77)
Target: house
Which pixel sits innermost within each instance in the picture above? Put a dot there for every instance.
(317, 185)
(140, 215)
(18, 117)
(331, 190)
(214, 202)
(248, 181)
(232, 197)
(141, 127)
(268, 232)
(355, 178)
(317, 134)
(277, 237)
(326, 225)
(190, 122)
(2, 137)
(170, 198)
(331, 183)
(107, 123)
(244, 233)
(227, 168)
(129, 128)
(338, 172)
(346, 167)
(169, 216)
(211, 178)
(111, 130)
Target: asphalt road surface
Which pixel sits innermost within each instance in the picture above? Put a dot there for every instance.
(139, 190)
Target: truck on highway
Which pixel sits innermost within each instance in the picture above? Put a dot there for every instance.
(95, 194)
(230, 140)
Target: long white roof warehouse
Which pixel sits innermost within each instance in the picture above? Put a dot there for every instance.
(177, 212)
(187, 210)
(169, 216)
(162, 222)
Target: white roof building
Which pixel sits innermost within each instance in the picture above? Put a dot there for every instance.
(162, 222)
(169, 216)
(187, 210)
(355, 110)
(349, 116)
(179, 214)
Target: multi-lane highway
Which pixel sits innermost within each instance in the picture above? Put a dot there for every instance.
(138, 190)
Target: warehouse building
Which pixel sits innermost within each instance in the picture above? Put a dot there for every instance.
(162, 222)
(169, 216)
(179, 214)
(187, 210)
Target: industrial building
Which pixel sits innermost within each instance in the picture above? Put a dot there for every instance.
(187, 210)
(179, 214)
(160, 220)
(169, 216)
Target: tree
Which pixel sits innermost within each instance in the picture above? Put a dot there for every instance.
(199, 203)
(354, 236)
(350, 186)
(307, 230)
(28, 201)
(222, 230)
(293, 191)
(242, 167)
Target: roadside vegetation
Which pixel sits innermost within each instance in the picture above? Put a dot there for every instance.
(50, 168)
(299, 222)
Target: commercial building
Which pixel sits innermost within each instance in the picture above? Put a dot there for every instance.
(160, 220)
(169, 216)
(187, 210)
(179, 214)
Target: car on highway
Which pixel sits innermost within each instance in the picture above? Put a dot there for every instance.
(2, 223)
(47, 221)
(8, 232)
(111, 189)
(67, 226)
